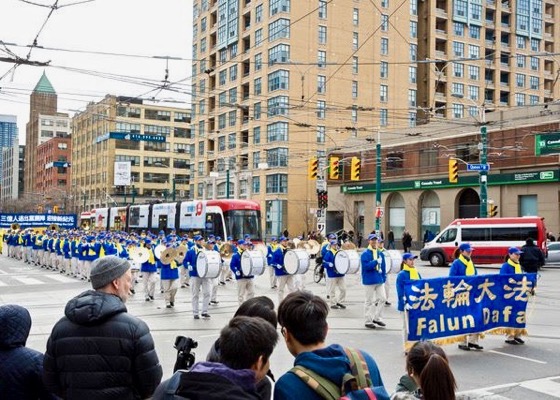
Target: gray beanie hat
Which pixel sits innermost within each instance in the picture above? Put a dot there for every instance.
(106, 269)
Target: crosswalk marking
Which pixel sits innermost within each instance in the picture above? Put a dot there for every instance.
(3, 284)
(61, 278)
(483, 394)
(28, 281)
(545, 386)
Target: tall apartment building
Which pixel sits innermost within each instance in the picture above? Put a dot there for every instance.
(8, 138)
(12, 173)
(278, 82)
(155, 140)
(500, 53)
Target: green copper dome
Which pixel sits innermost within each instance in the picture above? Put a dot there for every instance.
(44, 85)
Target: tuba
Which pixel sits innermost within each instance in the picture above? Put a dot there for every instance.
(14, 226)
(53, 227)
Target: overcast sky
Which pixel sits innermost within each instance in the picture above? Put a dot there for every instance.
(153, 28)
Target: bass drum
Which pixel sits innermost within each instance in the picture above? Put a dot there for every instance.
(252, 263)
(296, 261)
(393, 261)
(208, 264)
(347, 262)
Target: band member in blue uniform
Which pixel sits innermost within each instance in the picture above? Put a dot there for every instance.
(373, 278)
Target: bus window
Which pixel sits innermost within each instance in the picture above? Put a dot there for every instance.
(243, 222)
(448, 236)
(514, 233)
(475, 234)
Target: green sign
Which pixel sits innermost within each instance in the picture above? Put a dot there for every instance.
(546, 176)
(547, 144)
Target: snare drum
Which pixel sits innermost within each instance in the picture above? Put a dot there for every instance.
(208, 264)
(252, 262)
(393, 261)
(296, 261)
(347, 262)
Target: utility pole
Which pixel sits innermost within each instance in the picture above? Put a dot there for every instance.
(483, 174)
(227, 184)
(378, 183)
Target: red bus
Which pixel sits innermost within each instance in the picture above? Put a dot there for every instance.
(490, 237)
(235, 218)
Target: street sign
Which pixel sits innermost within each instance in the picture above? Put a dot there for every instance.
(321, 184)
(478, 167)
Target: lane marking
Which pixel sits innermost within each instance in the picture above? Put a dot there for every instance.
(521, 358)
(3, 284)
(28, 281)
(545, 386)
(61, 278)
(483, 394)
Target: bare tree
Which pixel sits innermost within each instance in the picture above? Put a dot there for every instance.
(350, 213)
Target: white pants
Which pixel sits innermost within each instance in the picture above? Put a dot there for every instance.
(170, 287)
(387, 287)
(283, 281)
(374, 302)
(205, 284)
(273, 278)
(149, 279)
(332, 285)
(245, 290)
(214, 292)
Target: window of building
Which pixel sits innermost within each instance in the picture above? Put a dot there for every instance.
(520, 80)
(458, 110)
(232, 94)
(321, 84)
(354, 115)
(222, 77)
(322, 9)
(221, 143)
(279, 6)
(395, 160)
(257, 86)
(278, 80)
(474, 51)
(231, 141)
(412, 74)
(458, 89)
(277, 132)
(181, 117)
(256, 135)
(321, 58)
(257, 111)
(458, 28)
(277, 183)
(278, 105)
(258, 62)
(279, 54)
(222, 56)
(221, 121)
(321, 136)
(458, 49)
(383, 117)
(533, 99)
(528, 205)
(535, 45)
(412, 97)
(277, 157)
(157, 115)
(222, 98)
(519, 99)
(354, 89)
(321, 109)
(458, 70)
(232, 117)
(474, 31)
(534, 63)
(279, 29)
(428, 158)
(355, 65)
(384, 22)
(534, 82)
(412, 119)
(520, 42)
(258, 37)
(355, 41)
(520, 61)
(413, 7)
(355, 16)
(474, 92)
(322, 34)
(383, 93)
(413, 52)
(413, 29)
(384, 46)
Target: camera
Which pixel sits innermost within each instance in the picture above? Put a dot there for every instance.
(185, 355)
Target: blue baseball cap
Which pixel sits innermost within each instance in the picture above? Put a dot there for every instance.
(333, 242)
(240, 242)
(514, 250)
(331, 236)
(282, 238)
(196, 238)
(372, 236)
(465, 247)
(218, 238)
(273, 239)
(229, 238)
(161, 232)
(408, 256)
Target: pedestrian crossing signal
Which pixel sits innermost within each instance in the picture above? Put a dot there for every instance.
(313, 168)
(453, 171)
(356, 167)
(334, 168)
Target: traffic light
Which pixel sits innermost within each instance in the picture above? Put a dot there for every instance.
(312, 168)
(493, 210)
(322, 199)
(55, 209)
(334, 167)
(453, 170)
(356, 167)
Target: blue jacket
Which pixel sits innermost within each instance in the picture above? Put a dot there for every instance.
(331, 363)
(190, 260)
(169, 271)
(373, 270)
(459, 269)
(403, 278)
(507, 269)
(147, 266)
(328, 264)
(21, 368)
(278, 261)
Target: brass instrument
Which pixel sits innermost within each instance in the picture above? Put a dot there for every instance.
(226, 251)
(53, 227)
(15, 226)
(180, 254)
(168, 255)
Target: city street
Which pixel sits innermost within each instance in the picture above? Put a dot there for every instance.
(501, 371)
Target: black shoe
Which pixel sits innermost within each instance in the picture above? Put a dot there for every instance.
(274, 287)
(387, 303)
(132, 291)
(214, 303)
(380, 323)
(475, 346)
(172, 303)
(336, 307)
(464, 347)
(147, 299)
(370, 325)
(512, 341)
(341, 306)
(168, 305)
(205, 315)
(221, 283)
(196, 316)
(152, 298)
(519, 340)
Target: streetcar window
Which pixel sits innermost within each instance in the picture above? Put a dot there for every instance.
(243, 222)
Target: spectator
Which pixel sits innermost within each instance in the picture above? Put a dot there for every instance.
(262, 307)
(246, 344)
(532, 258)
(303, 318)
(98, 350)
(21, 368)
(428, 375)
(464, 266)
(406, 241)
(360, 239)
(391, 240)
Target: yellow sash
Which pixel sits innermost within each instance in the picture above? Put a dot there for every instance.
(469, 264)
(414, 275)
(515, 265)
(151, 259)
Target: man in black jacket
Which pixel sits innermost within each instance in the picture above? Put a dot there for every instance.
(98, 350)
(532, 257)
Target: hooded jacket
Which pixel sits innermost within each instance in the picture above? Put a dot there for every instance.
(21, 368)
(99, 351)
(331, 363)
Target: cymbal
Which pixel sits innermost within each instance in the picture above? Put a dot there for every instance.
(348, 246)
(226, 251)
(181, 252)
(168, 255)
(315, 247)
(140, 254)
(159, 249)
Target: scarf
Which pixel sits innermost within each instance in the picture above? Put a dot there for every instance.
(515, 265)
(374, 251)
(151, 258)
(470, 266)
(414, 275)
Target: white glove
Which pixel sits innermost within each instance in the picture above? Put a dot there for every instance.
(190, 268)
(237, 273)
